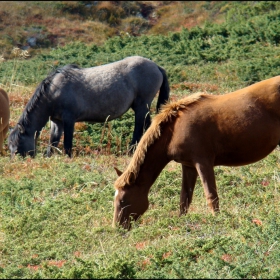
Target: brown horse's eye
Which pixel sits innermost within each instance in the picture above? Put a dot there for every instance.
(122, 203)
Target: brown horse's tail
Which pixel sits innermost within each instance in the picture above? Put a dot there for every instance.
(164, 90)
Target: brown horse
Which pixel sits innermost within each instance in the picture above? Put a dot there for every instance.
(200, 131)
(4, 117)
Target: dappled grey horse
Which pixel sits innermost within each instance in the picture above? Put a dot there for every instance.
(96, 94)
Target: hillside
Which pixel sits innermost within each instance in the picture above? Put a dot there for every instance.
(35, 25)
(242, 48)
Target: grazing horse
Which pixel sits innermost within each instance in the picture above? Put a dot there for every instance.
(4, 117)
(96, 94)
(200, 131)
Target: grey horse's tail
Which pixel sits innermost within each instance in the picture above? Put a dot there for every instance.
(164, 90)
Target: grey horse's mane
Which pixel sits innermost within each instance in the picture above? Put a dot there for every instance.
(168, 113)
(41, 91)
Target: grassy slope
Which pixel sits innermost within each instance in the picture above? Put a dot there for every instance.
(56, 23)
(56, 213)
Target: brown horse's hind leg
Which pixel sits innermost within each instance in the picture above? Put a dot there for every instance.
(189, 176)
(206, 173)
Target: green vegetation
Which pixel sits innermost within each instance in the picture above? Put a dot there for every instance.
(56, 213)
(56, 223)
(56, 23)
(246, 50)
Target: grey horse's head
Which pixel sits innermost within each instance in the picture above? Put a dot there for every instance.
(20, 142)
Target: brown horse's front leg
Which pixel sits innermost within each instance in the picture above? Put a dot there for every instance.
(207, 175)
(189, 176)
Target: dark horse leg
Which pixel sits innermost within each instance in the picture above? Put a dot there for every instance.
(189, 176)
(56, 132)
(68, 135)
(142, 122)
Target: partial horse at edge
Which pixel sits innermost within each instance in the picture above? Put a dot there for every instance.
(4, 117)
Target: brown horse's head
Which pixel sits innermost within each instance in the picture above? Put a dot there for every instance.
(130, 202)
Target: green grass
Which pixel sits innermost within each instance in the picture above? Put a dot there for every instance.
(56, 216)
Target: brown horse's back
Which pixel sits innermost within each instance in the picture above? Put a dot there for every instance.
(4, 117)
(233, 129)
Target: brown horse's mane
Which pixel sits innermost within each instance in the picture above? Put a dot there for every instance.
(167, 113)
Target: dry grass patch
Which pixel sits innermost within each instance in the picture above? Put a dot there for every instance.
(63, 30)
(195, 87)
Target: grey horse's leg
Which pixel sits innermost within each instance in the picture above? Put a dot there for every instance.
(142, 122)
(69, 124)
(189, 176)
(56, 132)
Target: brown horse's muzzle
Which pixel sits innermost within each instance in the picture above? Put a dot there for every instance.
(123, 217)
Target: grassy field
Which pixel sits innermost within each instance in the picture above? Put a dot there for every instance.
(56, 213)
(56, 216)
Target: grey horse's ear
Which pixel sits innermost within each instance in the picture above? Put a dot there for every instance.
(20, 128)
(118, 171)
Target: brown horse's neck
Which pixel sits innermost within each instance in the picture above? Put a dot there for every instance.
(151, 154)
(155, 160)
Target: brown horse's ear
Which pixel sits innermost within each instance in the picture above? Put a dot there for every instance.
(20, 128)
(118, 171)
(131, 178)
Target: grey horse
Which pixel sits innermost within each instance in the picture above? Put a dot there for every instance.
(97, 94)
